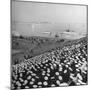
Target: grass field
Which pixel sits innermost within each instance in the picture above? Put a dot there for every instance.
(28, 47)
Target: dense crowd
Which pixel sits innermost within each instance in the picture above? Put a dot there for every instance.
(60, 67)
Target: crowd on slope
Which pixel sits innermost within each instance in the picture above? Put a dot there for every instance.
(60, 67)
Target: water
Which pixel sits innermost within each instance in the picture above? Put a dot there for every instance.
(77, 30)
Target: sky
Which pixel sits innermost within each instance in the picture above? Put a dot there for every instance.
(31, 18)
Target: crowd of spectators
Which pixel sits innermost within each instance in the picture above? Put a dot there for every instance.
(60, 67)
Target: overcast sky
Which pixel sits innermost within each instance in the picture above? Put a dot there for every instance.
(29, 17)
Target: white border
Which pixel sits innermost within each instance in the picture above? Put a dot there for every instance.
(5, 43)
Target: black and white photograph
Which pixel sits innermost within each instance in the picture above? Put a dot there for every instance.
(49, 44)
